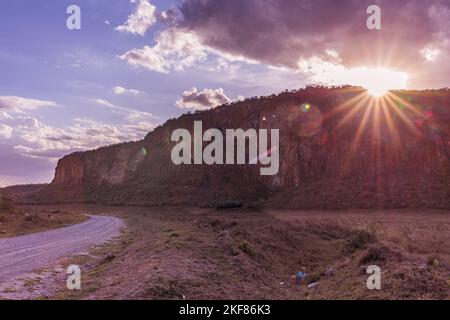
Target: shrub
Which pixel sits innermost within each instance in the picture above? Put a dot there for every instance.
(255, 206)
(360, 239)
(6, 204)
(433, 261)
(228, 205)
(247, 249)
(380, 254)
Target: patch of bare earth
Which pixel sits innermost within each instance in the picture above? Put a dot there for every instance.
(25, 220)
(207, 254)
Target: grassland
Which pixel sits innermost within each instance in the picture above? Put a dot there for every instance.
(183, 253)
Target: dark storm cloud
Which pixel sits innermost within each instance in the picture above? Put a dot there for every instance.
(282, 32)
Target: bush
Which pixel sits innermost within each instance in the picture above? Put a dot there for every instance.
(379, 255)
(433, 261)
(6, 204)
(228, 205)
(247, 249)
(360, 239)
(255, 206)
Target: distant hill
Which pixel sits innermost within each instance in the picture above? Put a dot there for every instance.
(328, 160)
(22, 191)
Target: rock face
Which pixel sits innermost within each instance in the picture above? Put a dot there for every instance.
(339, 149)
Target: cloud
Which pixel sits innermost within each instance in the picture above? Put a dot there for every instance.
(35, 139)
(32, 134)
(5, 131)
(19, 104)
(174, 50)
(140, 128)
(202, 100)
(282, 32)
(121, 90)
(169, 16)
(141, 20)
(415, 37)
(333, 73)
(31, 152)
(5, 116)
(131, 114)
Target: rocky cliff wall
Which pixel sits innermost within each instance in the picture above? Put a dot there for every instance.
(339, 149)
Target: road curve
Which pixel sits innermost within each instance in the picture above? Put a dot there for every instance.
(24, 254)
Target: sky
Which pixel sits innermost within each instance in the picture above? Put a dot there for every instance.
(136, 63)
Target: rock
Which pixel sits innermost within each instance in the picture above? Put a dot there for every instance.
(330, 272)
(110, 257)
(343, 176)
(313, 285)
(363, 270)
(436, 263)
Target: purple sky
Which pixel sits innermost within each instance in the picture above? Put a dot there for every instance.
(134, 64)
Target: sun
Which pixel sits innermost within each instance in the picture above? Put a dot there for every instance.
(377, 91)
(379, 108)
(378, 81)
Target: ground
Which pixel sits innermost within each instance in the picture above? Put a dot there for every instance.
(25, 220)
(184, 253)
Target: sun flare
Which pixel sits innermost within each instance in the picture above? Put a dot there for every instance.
(379, 82)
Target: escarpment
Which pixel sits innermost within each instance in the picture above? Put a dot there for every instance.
(339, 149)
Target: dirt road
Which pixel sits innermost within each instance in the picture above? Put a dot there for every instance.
(21, 255)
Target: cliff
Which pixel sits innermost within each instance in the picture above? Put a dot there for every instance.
(339, 149)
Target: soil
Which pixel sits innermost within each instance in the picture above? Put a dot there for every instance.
(190, 253)
(25, 220)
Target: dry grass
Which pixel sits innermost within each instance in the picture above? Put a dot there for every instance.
(180, 253)
(26, 220)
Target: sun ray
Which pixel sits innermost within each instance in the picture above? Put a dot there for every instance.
(363, 123)
(402, 116)
(388, 119)
(408, 105)
(347, 104)
(376, 124)
(353, 112)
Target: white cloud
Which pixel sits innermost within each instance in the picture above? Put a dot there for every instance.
(34, 135)
(430, 53)
(30, 148)
(169, 16)
(5, 131)
(19, 104)
(131, 114)
(143, 127)
(177, 49)
(202, 100)
(328, 73)
(174, 50)
(5, 116)
(121, 90)
(142, 19)
(38, 140)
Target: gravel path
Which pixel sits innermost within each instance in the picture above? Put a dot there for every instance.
(24, 254)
